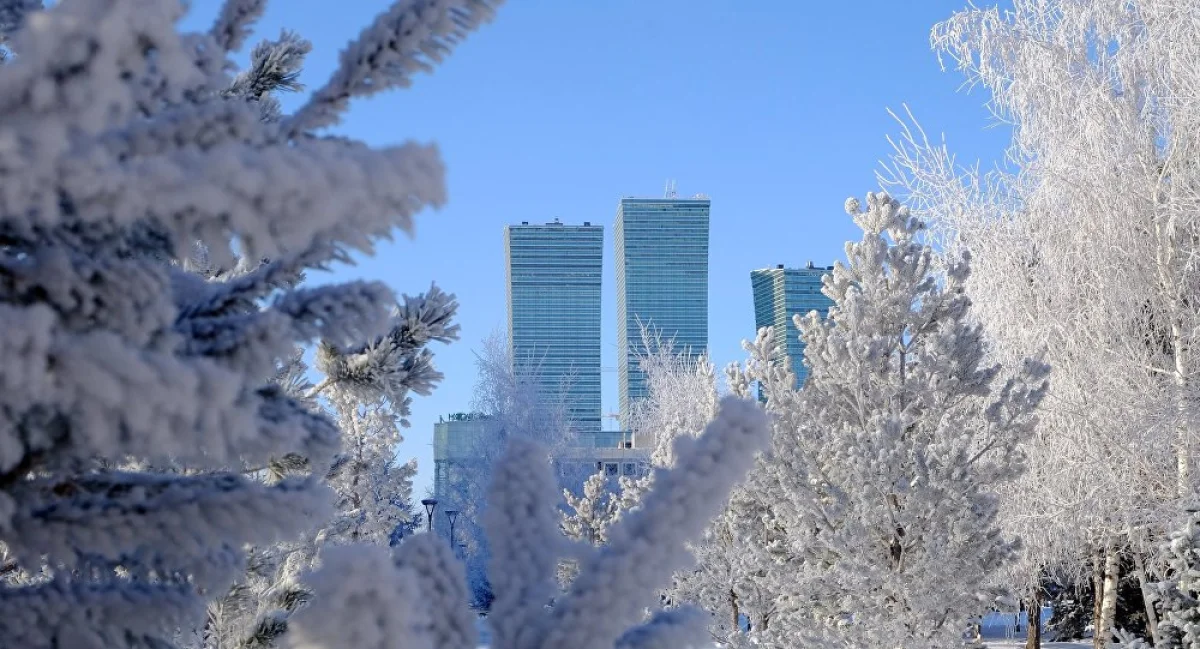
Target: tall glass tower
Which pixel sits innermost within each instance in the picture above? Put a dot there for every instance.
(662, 282)
(554, 273)
(780, 293)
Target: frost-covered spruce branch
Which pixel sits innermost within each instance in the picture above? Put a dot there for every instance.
(138, 155)
(366, 390)
(605, 605)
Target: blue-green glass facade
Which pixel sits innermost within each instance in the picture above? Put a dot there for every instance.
(554, 273)
(662, 282)
(779, 294)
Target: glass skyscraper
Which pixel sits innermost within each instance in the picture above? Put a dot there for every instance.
(554, 272)
(780, 293)
(662, 282)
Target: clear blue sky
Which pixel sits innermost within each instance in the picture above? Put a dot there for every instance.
(776, 109)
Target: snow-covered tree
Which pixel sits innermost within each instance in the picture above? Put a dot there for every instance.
(681, 398)
(591, 512)
(139, 398)
(369, 389)
(1180, 594)
(511, 403)
(379, 608)
(881, 510)
(681, 395)
(586, 518)
(723, 582)
(1085, 241)
(367, 386)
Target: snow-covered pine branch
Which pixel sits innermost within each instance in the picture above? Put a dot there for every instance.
(1180, 626)
(365, 388)
(12, 17)
(604, 606)
(133, 154)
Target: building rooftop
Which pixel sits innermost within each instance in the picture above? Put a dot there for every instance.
(556, 223)
(807, 266)
(667, 199)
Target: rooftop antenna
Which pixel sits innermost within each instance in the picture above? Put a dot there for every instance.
(670, 190)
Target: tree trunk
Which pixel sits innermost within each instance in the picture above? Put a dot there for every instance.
(1108, 606)
(355, 498)
(1148, 596)
(737, 614)
(1097, 595)
(1033, 634)
(1183, 431)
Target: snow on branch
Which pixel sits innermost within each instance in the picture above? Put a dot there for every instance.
(521, 516)
(414, 598)
(156, 219)
(243, 188)
(365, 602)
(62, 613)
(12, 16)
(443, 588)
(645, 547)
(604, 607)
(398, 361)
(274, 67)
(153, 521)
(233, 23)
(410, 37)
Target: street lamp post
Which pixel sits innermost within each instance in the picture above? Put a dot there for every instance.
(452, 514)
(429, 503)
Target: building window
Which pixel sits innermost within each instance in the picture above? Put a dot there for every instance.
(610, 468)
(630, 468)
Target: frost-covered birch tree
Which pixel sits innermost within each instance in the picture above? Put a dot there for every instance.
(1086, 242)
(882, 527)
(124, 147)
(681, 398)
